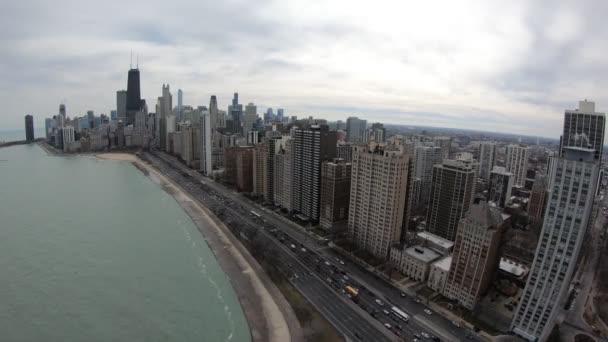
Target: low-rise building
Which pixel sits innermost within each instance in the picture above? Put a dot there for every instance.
(438, 274)
(414, 261)
(435, 242)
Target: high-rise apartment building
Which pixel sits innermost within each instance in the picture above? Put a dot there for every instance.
(335, 194)
(451, 196)
(121, 105)
(446, 145)
(249, 118)
(206, 164)
(344, 151)
(283, 170)
(355, 128)
(180, 102)
(259, 169)
(575, 176)
(311, 147)
(538, 198)
(487, 159)
(476, 254)
(583, 127)
(377, 133)
(500, 185)
(29, 128)
(425, 158)
(516, 162)
(377, 197)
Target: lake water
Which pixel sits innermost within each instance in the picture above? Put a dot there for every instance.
(92, 250)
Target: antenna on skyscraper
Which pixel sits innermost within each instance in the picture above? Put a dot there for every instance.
(137, 60)
(131, 61)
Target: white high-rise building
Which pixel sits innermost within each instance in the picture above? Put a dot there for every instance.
(517, 163)
(379, 177)
(180, 102)
(206, 163)
(575, 175)
(250, 117)
(487, 159)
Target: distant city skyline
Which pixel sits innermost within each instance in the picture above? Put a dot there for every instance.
(509, 67)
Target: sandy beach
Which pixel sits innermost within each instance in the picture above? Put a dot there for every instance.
(256, 292)
(117, 156)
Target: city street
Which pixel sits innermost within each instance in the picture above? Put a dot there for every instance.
(318, 272)
(343, 313)
(585, 275)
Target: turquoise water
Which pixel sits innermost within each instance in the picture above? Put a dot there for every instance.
(92, 250)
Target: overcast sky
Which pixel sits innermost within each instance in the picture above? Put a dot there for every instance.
(506, 66)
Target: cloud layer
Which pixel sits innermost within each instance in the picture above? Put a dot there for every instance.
(506, 66)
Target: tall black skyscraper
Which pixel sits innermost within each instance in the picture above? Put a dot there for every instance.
(29, 128)
(133, 96)
(236, 112)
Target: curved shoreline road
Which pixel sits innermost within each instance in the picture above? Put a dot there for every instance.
(269, 315)
(344, 314)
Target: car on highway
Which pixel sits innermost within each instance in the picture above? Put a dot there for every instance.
(386, 312)
(456, 324)
(388, 326)
(379, 302)
(428, 312)
(425, 335)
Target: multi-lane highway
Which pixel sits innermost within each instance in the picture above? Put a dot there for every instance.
(317, 272)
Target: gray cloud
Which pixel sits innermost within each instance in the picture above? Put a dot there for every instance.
(501, 66)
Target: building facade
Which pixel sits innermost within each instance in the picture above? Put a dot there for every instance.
(476, 254)
(426, 158)
(487, 159)
(500, 185)
(451, 196)
(310, 148)
(29, 128)
(516, 162)
(355, 128)
(538, 198)
(335, 194)
(575, 176)
(377, 197)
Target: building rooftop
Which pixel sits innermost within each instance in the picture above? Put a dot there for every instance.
(422, 253)
(444, 263)
(516, 269)
(436, 239)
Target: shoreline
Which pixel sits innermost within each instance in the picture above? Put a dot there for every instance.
(265, 317)
(268, 314)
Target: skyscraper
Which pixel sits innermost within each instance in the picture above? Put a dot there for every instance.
(355, 128)
(499, 190)
(283, 169)
(29, 128)
(205, 149)
(583, 127)
(445, 143)
(62, 111)
(487, 159)
(310, 148)
(451, 196)
(133, 96)
(575, 175)
(377, 197)
(250, 117)
(425, 158)
(538, 198)
(236, 112)
(335, 194)
(121, 105)
(180, 102)
(376, 133)
(517, 163)
(476, 254)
